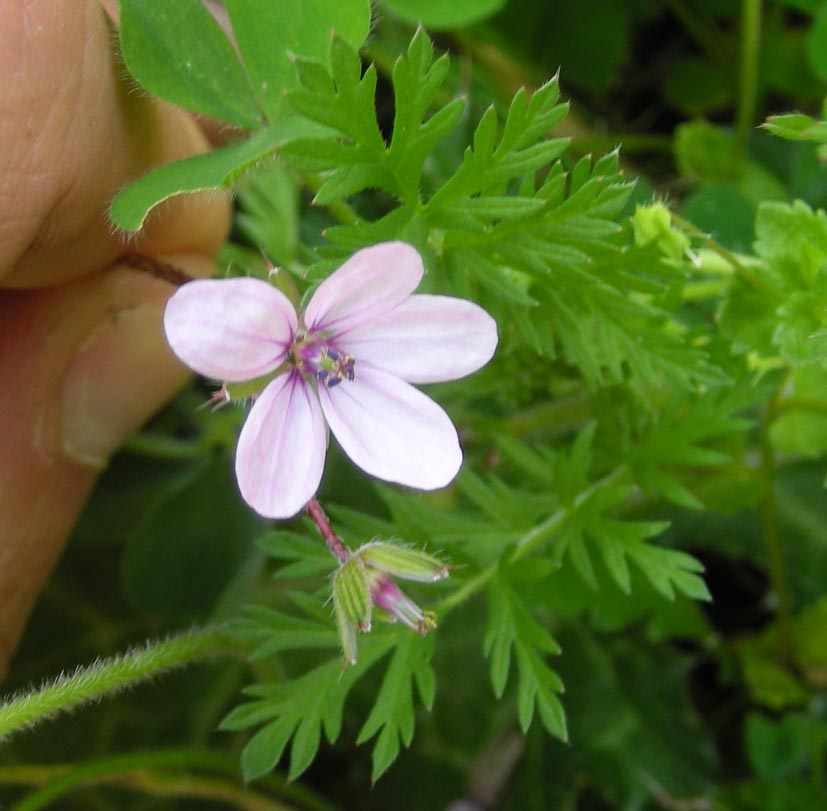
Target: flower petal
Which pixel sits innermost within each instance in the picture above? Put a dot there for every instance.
(372, 282)
(426, 339)
(281, 449)
(230, 329)
(391, 430)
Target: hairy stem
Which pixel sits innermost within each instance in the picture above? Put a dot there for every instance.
(108, 676)
(333, 541)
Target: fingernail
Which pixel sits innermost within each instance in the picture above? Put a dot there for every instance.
(120, 373)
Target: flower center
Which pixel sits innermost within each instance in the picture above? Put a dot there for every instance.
(315, 357)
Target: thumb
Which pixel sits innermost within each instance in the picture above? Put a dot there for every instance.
(85, 363)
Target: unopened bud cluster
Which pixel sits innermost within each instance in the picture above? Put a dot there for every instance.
(363, 587)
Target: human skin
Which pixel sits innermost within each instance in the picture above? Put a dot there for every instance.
(82, 355)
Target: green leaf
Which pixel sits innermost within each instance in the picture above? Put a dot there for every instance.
(797, 127)
(187, 549)
(440, 15)
(213, 170)
(778, 748)
(696, 86)
(177, 51)
(809, 643)
(801, 427)
(631, 713)
(792, 239)
(270, 35)
(344, 100)
(276, 631)
(393, 714)
(300, 709)
(511, 627)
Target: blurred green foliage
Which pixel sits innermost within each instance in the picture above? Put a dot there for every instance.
(654, 425)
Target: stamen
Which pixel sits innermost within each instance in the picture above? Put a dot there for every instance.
(334, 367)
(310, 354)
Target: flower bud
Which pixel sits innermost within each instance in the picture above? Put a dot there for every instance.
(387, 596)
(653, 224)
(365, 581)
(351, 604)
(402, 561)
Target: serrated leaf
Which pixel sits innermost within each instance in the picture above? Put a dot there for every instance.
(538, 687)
(797, 127)
(670, 569)
(177, 51)
(301, 709)
(392, 715)
(278, 632)
(510, 626)
(271, 34)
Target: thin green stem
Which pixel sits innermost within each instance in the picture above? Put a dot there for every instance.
(138, 771)
(466, 590)
(737, 265)
(555, 416)
(817, 741)
(108, 676)
(772, 537)
(163, 447)
(147, 771)
(702, 29)
(545, 530)
(527, 543)
(748, 79)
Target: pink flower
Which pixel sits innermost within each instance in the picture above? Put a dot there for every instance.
(347, 361)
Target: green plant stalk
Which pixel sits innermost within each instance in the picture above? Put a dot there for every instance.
(546, 529)
(748, 80)
(702, 29)
(156, 446)
(526, 544)
(153, 771)
(737, 265)
(772, 538)
(108, 676)
(136, 771)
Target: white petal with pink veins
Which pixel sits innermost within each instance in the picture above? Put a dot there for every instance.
(230, 329)
(281, 449)
(372, 282)
(391, 430)
(426, 339)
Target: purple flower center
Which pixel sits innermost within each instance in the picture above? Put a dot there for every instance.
(316, 358)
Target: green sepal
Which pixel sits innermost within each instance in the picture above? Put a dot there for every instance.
(351, 604)
(402, 561)
(250, 388)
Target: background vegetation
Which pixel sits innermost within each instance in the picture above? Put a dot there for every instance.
(636, 615)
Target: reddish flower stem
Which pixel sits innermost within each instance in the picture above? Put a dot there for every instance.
(334, 542)
(154, 267)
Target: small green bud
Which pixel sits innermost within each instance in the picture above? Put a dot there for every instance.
(654, 224)
(363, 587)
(352, 604)
(402, 561)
